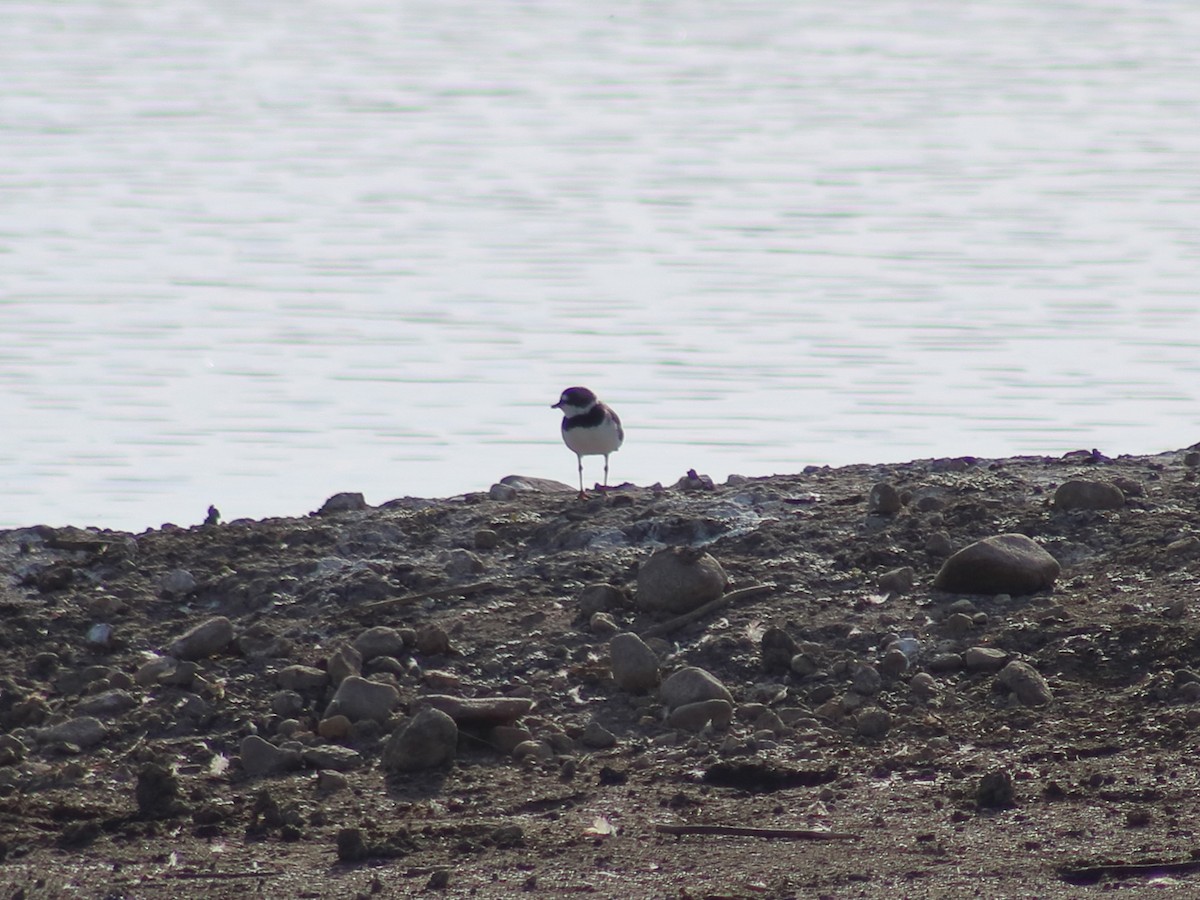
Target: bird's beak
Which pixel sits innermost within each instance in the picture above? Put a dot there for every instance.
(557, 405)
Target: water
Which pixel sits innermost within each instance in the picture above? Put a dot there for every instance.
(254, 254)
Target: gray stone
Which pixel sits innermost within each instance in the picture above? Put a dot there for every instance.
(884, 500)
(603, 625)
(463, 563)
(344, 662)
(924, 686)
(679, 579)
(357, 698)
(206, 639)
(1005, 564)
(984, 659)
(346, 501)
(534, 751)
(287, 704)
(634, 664)
(379, 641)
(478, 711)
(777, 648)
(427, 740)
(1080, 493)
(432, 640)
(303, 679)
(694, 716)
(600, 598)
(260, 757)
(505, 738)
(944, 662)
(1026, 682)
(692, 685)
(894, 663)
(873, 722)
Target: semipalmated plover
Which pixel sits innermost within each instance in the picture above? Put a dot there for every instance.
(589, 428)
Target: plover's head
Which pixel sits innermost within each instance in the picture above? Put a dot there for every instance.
(575, 401)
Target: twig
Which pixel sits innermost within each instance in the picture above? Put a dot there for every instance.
(787, 834)
(700, 612)
(261, 873)
(462, 589)
(1092, 874)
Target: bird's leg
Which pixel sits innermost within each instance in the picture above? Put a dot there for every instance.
(582, 492)
(606, 471)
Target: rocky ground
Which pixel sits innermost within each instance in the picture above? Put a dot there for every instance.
(812, 693)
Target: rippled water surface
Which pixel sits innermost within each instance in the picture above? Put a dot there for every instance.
(252, 255)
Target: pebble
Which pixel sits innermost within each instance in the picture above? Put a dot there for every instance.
(427, 740)
(692, 685)
(884, 500)
(432, 640)
(1004, 564)
(205, 640)
(1079, 493)
(1026, 682)
(358, 698)
(330, 782)
(802, 664)
(342, 663)
(676, 580)
(463, 563)
(597, 737)
(894, 663)
(634, 665)
(303, 679)
(260, 757)
(939, 543)
(694, 716)
(924, 686)
(984, 659)
(995, 791)
(287, 703)
(505, 738)
(381, 640)
(944, 662)
(873, 722)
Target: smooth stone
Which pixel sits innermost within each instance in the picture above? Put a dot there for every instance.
(206, 639)
(302, 679)
(261, 757)
(1026, 682)
(346, 501)
(427, 740)
(505, 738)
(1080, 493)
(432, 640)
(866, 680)
(334, 728)
(945, 662)
(331, 756)
(694, 716)
(600, 598)
(634, 665)
(535, 751)
(1004, 564)
(676, 580)
(342, 663)
(692, 685)
(924, 686)
(358, 698)
(381, 640)
(478, 711)
(287, 704)
(177, 582)
(984, 659)
(894, 663)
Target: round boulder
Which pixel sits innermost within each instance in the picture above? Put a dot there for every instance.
(1005, 564)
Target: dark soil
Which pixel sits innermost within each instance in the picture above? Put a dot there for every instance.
(962, 791)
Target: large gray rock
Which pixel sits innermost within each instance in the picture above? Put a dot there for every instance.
(206, 639)
(358, 698)
(82, 732)
(344, 662)
(1081, 493)
(428, 739)
(1005, 564)
(679, 579)
(634, 665)
(692, 685)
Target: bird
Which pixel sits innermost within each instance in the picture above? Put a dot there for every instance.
(589, 428)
